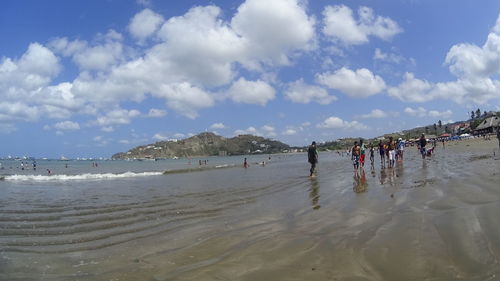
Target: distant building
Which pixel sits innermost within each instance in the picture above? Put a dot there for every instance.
(489, 125)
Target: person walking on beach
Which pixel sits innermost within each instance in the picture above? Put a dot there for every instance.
(422, 142)
(245, 163)
(391, 146)
(372, 154)
(362, 156)
(401, 148)
(382, 152)
(498, 137)
(355, 153)
(312, 156)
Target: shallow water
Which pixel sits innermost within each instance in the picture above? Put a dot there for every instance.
(433, 219)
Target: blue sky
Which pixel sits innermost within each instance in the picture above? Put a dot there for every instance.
(91, 78)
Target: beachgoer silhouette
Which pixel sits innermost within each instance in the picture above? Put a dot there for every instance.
(312, 157)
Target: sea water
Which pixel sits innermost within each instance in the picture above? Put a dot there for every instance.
(423, 219)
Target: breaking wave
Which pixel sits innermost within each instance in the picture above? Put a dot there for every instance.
(79, 177)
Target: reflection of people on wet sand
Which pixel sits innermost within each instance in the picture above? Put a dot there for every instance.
(359, 181)
(314, 193)
(312, 157)
(383, 176)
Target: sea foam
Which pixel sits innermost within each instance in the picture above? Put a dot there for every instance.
(78, 177)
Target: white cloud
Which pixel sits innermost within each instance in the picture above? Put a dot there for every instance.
(185, 98)
(248, 131)
(179, 135)
(198, 47)
(265, 131)
(268, 128)
(17, 111)
(252, 92)
(155, 113)
(340, 25)
(289, 132)
(438, 114)
(376, 113)
(422, 112)
(144, 24)
(67, 126)
(6, 128)
(471, 60)
(195, 52)
(388, 57)
(21, 79)
(300, 92)
(217, 126)
(334, 122)
(418, 112)
(107, 129)
(160, 137)
(106, 51)
(412, 89)
(361, 83)
(117, 117)
(63, 46)
(271, 29)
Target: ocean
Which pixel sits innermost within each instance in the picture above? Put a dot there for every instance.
(127, 220)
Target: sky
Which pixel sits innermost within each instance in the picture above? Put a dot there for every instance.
(95, 77)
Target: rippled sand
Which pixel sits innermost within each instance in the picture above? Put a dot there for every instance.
(433, 219)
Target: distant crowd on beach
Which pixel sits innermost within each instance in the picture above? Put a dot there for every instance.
(390, 152)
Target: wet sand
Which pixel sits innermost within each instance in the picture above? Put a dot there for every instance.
(433, 219)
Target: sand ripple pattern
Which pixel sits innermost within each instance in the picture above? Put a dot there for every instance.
(63, 228)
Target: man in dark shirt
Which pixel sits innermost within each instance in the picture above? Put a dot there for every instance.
(312, 156)
(498, 137)
(422, 142)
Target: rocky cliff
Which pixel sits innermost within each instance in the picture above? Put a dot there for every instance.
(204, 144)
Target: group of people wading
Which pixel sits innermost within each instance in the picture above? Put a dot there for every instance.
(390, 151)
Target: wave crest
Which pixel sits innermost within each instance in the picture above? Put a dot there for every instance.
(88, 176)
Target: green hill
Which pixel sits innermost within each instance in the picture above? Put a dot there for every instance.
(205, 144)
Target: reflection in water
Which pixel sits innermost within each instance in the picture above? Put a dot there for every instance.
(360, 184)
(399, 168)
(372, 170)
(314, 194)
(383, 175)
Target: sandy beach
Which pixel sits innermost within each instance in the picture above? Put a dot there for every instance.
(433, 219)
